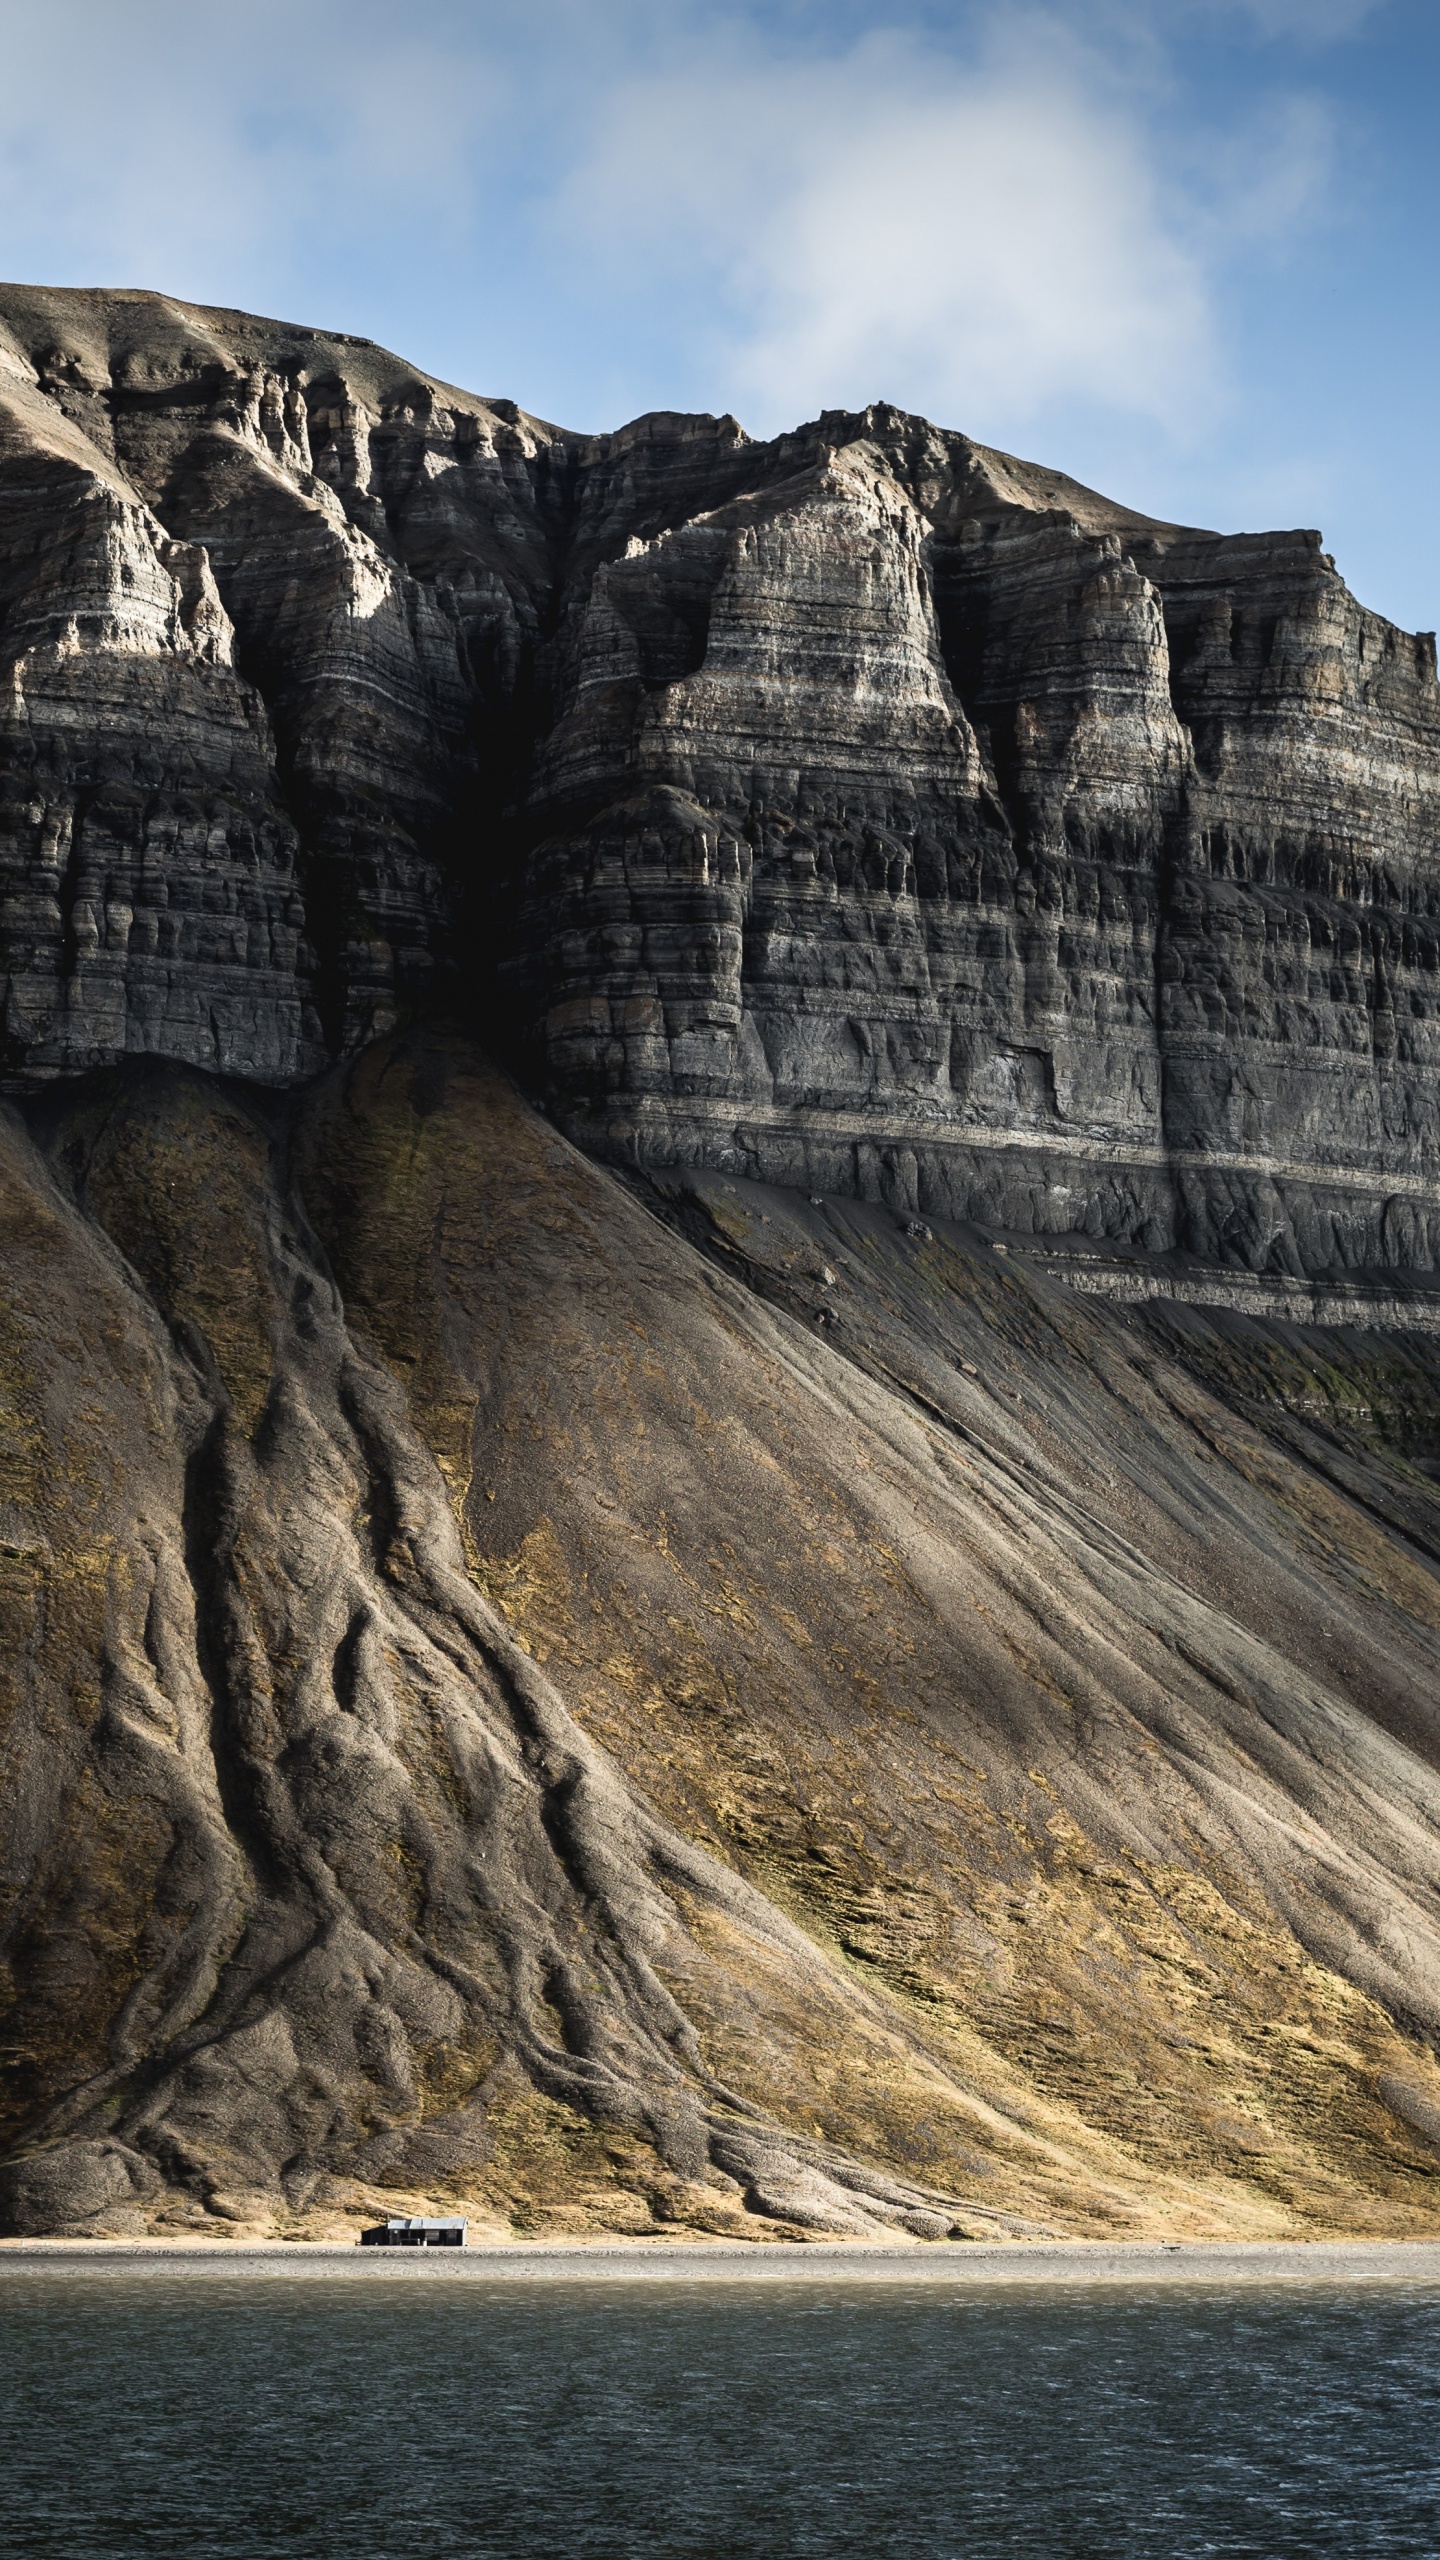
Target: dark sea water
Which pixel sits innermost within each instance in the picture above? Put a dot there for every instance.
(321, 2418)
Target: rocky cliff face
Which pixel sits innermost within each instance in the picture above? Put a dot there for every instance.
(865, 810)
(685, 1681)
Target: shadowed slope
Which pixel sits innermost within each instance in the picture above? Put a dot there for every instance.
(683, 1704)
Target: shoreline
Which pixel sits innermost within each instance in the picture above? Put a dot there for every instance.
(1046, 2264)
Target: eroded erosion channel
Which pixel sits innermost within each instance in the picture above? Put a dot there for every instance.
(719, 1348)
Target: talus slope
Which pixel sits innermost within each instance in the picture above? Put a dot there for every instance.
(665, 1704)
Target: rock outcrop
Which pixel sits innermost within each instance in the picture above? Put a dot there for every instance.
(865, 810)
(779, 1612)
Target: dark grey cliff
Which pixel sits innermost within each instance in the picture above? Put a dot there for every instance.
(623, 1703)
(865, 810)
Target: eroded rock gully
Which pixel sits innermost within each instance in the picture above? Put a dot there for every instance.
(865, 810)
(527, 1690)
(323, 1849)
(816, 1635)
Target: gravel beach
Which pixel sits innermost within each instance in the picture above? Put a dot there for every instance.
(1082, 2262)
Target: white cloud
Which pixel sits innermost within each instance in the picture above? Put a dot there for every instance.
(892, 225)
(608, 204)
(1266, 181)
(203, 148)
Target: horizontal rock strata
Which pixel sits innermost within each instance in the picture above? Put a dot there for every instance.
(821, 1614)
(864, 810)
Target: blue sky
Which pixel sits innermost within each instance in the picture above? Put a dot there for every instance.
(1185, 249)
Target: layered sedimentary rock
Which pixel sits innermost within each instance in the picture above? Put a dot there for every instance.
(688, 1680)
(1073, 873)
(864, 809)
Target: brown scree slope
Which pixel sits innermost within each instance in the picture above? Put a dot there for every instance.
(521, 1688)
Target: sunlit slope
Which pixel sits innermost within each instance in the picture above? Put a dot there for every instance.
(635, 1705)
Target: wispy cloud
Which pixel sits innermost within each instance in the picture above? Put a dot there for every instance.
(202, 148)
(997, 213)
(1313, 21)
(985, 237)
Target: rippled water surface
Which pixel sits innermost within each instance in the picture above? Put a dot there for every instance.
(207, 2414)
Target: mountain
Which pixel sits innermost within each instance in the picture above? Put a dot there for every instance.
(719, 1399)
(865, 810)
